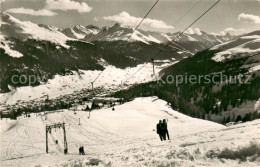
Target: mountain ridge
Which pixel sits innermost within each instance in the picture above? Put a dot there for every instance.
(92, 33)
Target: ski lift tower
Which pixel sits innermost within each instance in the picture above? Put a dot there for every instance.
(48, 130)
(153, 66)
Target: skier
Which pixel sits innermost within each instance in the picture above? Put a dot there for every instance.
(159, 130)
(83, 152)
(166, 129)
(65, 151)
(80, 151)
(163, 131)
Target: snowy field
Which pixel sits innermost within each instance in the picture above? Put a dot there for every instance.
(241, 47)
(110, 78)
(124, 137)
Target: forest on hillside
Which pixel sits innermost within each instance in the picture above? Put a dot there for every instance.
(204, 100)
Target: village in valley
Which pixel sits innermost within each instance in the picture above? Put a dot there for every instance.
(83, 100)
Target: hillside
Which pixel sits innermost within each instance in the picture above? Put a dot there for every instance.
(46, 51)
(125, 137)
(244, 46)
(227, 91)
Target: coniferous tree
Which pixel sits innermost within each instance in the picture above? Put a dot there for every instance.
(228, 119)
(239, 118)
(224, 121)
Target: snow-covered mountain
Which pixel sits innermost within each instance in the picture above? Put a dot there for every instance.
(230, 84)
(119, 32)
(48, 50)
(245, 45)
(79, 31)
(23, 30)
(205, 37)
(14, 28)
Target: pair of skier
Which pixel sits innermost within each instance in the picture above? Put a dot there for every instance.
(81, 150)
(162, 130)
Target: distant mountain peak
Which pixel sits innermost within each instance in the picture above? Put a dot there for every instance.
(4, 14)
(117, 25)
(91, 26)
(51, 28)
(116, 32)
(79, 26)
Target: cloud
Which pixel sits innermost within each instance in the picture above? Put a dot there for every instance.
(222, 33)
(189, 31)
(66, 5)
(197, 31)
(249, 18)
(51, 6)
(96, 19)
(126, 19)
(193, 31)
(42, 12)
(230, 29)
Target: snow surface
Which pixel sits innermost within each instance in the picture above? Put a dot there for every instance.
(85, 30)
(37, 32)
(4, 44)
(137, 36)
(124, 137)
(255, 68)
(61, 85)
(79, 36)
(244, 46)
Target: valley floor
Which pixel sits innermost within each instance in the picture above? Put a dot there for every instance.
(124, 137)
(69, 84)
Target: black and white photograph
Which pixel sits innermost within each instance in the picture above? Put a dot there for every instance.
(130, 83)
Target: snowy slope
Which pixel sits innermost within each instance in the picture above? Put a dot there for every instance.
(61, 85)
(245, 45)
(124, 137)
(12, 27)
(79, 31)
(119, 32)
(15, 28)
(7, 46)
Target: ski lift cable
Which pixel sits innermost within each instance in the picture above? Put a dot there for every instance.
(187, 12)
(98, 76)
(132, 33)
(142, 20)
(139, 25)
(193, 6)
(170, 42)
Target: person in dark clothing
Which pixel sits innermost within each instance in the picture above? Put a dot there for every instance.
(163, 127)
(83, 152)
(159, 130)
(65, 151)
(166, 129)
(80, 150)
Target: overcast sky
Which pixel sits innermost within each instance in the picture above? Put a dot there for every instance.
(234, 16)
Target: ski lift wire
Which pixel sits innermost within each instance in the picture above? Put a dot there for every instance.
(170, 42)
(132, 33)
